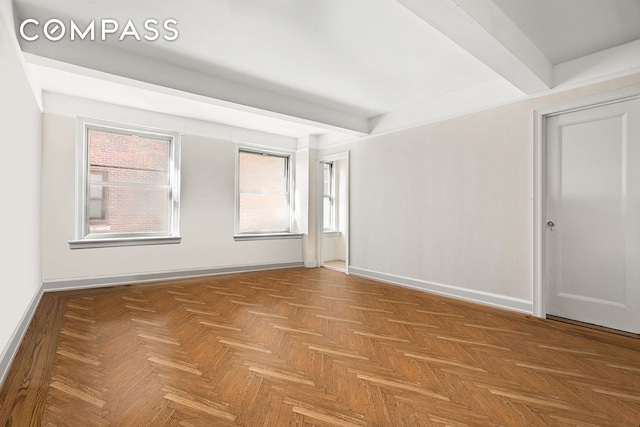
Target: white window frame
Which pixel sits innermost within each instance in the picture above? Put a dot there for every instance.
(289, 234)
(83, 239)
(332, 198)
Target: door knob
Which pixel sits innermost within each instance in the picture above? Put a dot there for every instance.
(551, 224)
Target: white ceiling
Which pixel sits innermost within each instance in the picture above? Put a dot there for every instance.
(342, 68)
(568, 29)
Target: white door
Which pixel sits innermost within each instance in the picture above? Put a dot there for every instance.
(593, 216)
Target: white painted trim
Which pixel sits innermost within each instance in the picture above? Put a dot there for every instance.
(331, 233)
(597, 100)
(539, 180)
(319, 213)
(481, 297)
(10, 351)
(266, 236)
(346, 156)
(130, 241)
(539, 177)
(54, 285)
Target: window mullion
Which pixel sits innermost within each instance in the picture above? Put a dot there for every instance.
(129, 184)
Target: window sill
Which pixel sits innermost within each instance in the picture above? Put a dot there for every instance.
(271, 236)
(125, 241)
(332, 233)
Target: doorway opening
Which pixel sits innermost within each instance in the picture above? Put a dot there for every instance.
(333, 212)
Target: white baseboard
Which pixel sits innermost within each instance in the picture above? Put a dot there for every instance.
(311, 263)
(127, 279)
(486, 298)
(9, 352)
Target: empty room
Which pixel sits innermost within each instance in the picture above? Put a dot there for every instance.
(320, 213)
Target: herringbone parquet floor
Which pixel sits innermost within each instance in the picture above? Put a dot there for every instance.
(310, 347)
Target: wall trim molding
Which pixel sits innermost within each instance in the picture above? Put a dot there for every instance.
(481, 297)
(55, 285)
(10, 351)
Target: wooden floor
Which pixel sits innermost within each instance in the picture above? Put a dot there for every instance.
(310, 347)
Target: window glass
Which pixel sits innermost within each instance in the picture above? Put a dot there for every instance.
(263, 190)
(134, 171)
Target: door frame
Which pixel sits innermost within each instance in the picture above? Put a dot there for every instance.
(345, 155)
(540, 116)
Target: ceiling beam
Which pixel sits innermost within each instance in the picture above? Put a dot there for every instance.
(120, 66)
(483, 30)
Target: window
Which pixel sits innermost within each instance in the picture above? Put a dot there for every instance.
(263, 193)
(329, 205)
(128, 182)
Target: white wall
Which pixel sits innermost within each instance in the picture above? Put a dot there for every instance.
(20, 174)
(206, 219)
(447, 206)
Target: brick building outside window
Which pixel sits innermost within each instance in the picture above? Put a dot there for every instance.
(130, 184)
